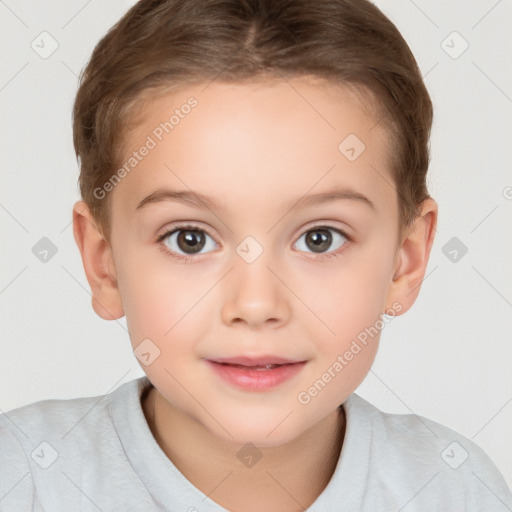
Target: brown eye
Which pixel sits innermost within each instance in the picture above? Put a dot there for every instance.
(320, 240)
(185, 241)
(190, 241)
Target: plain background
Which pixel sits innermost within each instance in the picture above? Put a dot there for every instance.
(449, 358)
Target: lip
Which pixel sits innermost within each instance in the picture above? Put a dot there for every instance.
(255, 360)
(252, 379)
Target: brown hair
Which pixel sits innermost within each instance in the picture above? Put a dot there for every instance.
(164, 43)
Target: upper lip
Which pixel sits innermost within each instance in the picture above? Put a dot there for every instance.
(255, 360)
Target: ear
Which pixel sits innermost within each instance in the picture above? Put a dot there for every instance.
(98, 264)
(412, 258)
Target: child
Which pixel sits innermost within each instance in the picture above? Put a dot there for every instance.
(288, 141)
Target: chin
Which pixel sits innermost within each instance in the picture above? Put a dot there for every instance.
(262, 432)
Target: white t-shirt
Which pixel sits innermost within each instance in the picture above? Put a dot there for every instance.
(98, 454)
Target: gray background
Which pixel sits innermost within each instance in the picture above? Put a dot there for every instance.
(448, 359)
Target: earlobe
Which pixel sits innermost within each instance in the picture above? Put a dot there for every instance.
(412, 257)
(98, 264)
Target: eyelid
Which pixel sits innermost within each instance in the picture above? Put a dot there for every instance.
(325, 225)
(196, 227)
(184, 226)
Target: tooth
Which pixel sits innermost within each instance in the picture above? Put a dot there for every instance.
(267, 367)
(256, 368)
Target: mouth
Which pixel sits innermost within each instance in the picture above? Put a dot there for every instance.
(255, 361)
(257, 368)
(255, 373)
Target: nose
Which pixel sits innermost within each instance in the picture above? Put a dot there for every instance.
(254, 295)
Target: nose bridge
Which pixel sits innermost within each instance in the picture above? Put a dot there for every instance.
(255, 295)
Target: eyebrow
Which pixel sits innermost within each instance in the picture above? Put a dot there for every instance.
(201, 201)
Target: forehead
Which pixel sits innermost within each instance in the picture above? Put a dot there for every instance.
(241, 143)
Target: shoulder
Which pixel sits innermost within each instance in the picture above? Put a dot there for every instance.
(43, 444)
(16, 483)
(410, 452)
(64, 416)
(54, 418)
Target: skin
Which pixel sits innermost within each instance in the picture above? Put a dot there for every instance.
(257, 149)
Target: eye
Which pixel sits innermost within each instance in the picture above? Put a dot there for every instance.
(320, 239)
(183, 242)
(188, 240)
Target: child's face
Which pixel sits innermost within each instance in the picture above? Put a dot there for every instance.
(257, 151)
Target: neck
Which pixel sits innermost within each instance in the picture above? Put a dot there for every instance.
(292, 475)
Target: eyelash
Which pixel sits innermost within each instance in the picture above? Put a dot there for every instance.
(192, 227)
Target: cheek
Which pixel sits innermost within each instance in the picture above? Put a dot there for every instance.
(352, 310)
(165, 304)
(350, 303)
(154, 298)
(353, 295)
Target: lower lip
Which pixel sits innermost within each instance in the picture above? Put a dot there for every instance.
(256, 380)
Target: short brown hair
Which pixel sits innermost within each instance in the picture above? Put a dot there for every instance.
(163, 43)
